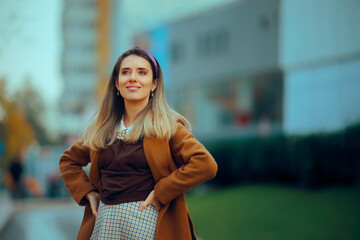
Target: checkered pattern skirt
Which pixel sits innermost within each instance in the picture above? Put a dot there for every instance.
(125, 221)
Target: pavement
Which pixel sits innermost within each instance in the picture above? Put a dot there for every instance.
(43, 219)
(6, 208)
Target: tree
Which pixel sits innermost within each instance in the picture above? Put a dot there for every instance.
(15, 131)
(29, 100)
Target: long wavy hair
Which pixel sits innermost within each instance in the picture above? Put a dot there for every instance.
(156, 120)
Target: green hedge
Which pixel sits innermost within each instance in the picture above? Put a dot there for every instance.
(314, 160)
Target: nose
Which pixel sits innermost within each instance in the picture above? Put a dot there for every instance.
(133, 77)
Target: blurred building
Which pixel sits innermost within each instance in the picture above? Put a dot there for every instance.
(320, 55)
(133, 16)
(85, 50)
(263, 66)
(223, 68)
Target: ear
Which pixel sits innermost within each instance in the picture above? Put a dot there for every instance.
(154, 85)
(117, 85)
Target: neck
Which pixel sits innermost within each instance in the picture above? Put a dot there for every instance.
(132, 110)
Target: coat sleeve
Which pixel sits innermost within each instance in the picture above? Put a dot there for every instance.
(196, 166)
(71, 170)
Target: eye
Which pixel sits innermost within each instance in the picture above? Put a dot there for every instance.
(124, 72)
(142, 72)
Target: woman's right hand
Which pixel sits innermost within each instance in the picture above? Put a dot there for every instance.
(94, 199)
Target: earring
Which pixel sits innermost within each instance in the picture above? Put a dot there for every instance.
(117, 93)
(152, 94)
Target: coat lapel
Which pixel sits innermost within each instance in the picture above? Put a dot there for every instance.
(158, 155)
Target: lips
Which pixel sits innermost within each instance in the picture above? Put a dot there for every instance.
(132, 88)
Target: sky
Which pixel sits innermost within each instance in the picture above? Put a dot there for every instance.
(30, 46)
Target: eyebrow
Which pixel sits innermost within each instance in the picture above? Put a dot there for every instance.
(125, 68)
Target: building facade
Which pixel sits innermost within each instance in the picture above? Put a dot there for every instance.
(223, 69)
(320, 56)
(86, 37)
(263, 67)
(79, 64)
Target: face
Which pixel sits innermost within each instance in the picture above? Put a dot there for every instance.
(135, 82)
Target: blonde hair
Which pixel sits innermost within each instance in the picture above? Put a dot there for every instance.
(157, 119)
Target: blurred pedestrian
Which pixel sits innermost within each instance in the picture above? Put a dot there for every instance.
(143, 158)
(16, 172)
(54, 184)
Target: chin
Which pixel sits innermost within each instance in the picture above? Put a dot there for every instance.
(135, 99)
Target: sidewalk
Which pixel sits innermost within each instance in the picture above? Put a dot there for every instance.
(6, 208)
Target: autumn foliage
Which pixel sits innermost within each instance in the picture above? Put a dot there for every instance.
(15, 131)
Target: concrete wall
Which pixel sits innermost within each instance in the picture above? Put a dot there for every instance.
(322, 99)
(213, 54)
(315, 32)
(250, 42)
(320, 55)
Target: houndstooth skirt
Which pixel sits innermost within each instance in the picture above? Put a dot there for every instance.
(125, 221)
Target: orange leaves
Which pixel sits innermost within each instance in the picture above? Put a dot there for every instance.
(20, 133)
(15, 131)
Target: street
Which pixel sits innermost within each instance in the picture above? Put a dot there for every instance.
(42, 220)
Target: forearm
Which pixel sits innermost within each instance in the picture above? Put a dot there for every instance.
(184, 178)
(196, 166)
(76, 181)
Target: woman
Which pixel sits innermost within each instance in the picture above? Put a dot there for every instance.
(142, 157)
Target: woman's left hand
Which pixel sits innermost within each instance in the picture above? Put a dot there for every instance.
(151, 200)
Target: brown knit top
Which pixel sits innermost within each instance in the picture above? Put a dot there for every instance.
(125, 175)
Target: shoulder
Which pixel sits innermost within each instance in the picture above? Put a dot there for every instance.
(182, 133)
(181, 126)
(81, 146)
(180, 121)
(78, 148)
(77, 153)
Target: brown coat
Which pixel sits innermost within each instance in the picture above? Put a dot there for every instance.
(176, 165)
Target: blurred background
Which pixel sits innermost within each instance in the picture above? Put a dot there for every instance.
(271, 87)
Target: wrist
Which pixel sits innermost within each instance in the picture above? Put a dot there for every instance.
(89, 194)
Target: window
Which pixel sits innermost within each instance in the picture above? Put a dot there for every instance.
(213, 43)
(177, 52)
